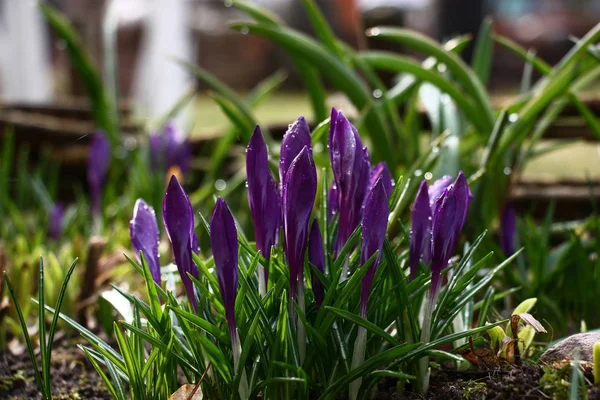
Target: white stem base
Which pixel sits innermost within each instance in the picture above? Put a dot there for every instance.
(243, 389)
(357, 359)
(262, 284)
(301, 330)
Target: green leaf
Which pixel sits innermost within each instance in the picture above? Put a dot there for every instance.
(54, 323)
(455, 65)
(84, 66)
(482, 55)
(395, 63)
(342, 77)
(38, 376)
(369, 326)
(100, 371)
(202, 324)
(321, 27)
(245, 127)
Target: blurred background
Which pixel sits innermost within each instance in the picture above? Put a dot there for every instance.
(35, 72)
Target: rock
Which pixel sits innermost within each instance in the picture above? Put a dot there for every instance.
(564, 350)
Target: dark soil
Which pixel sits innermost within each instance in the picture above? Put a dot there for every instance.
(526, 382)
(73, 376)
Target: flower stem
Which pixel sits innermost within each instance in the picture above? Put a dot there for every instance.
(426, 337)
(262, 281)
(357, 359)
(301, 332)
(243, 389)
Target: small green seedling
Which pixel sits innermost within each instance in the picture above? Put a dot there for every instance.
(46, 338)
(514, 341)
(597, 364)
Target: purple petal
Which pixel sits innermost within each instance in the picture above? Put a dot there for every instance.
(438, 188)
(351, 170)
(508, 229)
(178, 218)
(382, 170)
(224, 243)
(316, 256)
(55, 223)
(463, 198)
(299, 191)
(97, 167)
(143, 231)
(374, 226)
(295, 139)
(443, 240)
(263, 195)
(449, 215)
(420, 232)
(169, 148)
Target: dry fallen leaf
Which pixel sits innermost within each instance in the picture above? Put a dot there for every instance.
(184, 392)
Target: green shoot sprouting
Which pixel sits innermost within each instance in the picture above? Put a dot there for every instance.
(43, 379)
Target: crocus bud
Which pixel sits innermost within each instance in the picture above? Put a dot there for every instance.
(316, 256)
(55, 220)
(448, 219)
(178, 218)
(299, 191)
(97, 167)
(438, 188)
(420, 232)
(382, 170)
(351, 170)
(224, 243)
(169, 148)
(143, 231)
(295, 139)
(508, 229)
(263, 195)
(374, 226)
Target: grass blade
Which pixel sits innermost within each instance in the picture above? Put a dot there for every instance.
(482, 55)
(36, 371)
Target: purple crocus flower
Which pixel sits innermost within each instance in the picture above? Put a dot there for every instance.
(374, 225)
(351, 171)
(55, 223)
(295, 139)
(169, 148)
(508, 229)
(448, 220)
(316, 256)
(438, 188)
(97, 167)
(178, 218)
(420, 232)
(299, 191)
(143, 231)
(263, 195)
(382, 170)
(224, 243)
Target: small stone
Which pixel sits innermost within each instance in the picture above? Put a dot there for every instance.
(564, 350)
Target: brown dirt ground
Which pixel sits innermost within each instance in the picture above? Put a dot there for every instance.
(73, 376)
